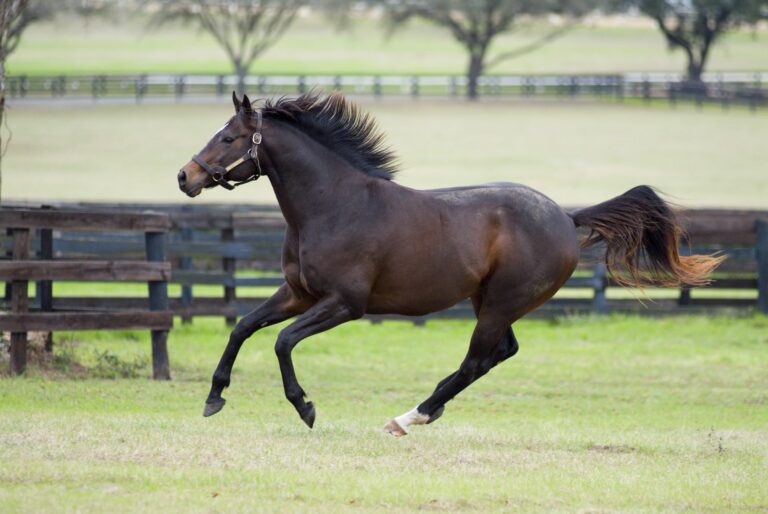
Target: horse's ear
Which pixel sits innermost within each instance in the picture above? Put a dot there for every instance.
(236, 102)
(247, 105)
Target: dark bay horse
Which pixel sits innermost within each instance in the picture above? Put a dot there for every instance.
(359, 243)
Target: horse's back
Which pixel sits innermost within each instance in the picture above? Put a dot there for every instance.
(459, 238)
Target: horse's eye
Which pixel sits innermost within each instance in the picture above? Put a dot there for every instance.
(228, 140)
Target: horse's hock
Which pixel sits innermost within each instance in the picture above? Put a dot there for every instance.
(30, 256)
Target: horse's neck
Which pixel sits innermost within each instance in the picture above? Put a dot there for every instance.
(310, 181)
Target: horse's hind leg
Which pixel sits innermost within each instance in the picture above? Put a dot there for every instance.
(490, 329)
(281, 306)
(507, 347)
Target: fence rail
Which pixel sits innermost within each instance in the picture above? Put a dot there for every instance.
(745, 88)
(237, 248)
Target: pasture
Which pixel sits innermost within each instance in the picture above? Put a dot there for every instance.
(593, 415)
(314, 46)
(576, 152)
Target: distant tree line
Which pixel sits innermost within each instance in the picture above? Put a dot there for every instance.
(245, 29)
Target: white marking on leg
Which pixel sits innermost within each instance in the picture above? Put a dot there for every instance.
(412, 417)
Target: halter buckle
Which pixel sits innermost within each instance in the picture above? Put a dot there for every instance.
(256, 138)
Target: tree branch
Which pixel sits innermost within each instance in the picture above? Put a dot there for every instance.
(530, 47)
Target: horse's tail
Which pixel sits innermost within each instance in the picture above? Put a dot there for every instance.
(641, 231)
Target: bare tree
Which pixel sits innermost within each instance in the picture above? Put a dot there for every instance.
(15, 16)
(476, 23)
(243, 28)
(695, 25)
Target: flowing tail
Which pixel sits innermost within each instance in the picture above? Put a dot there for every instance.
(641, 232)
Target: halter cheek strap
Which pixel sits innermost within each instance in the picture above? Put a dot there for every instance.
(219, 173)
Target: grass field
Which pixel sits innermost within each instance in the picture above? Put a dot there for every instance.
(578, 153)
(313, 46)
(593, 415)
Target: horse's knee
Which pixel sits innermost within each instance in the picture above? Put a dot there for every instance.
(283, 346)
(242, 331)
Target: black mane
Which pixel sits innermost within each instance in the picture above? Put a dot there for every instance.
(339, 125)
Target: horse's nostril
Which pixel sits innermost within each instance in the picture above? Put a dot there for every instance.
(182, 177)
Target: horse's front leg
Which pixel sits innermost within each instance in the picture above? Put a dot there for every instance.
(280, 306)
(324, 315)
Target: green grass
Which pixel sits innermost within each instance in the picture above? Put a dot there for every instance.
(578, 153)
(312, 46)
(594, 415)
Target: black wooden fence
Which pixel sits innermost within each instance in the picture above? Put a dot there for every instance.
(35, 254)
(236, 248)
(742, 88)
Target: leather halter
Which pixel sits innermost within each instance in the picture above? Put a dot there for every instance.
(219, 173)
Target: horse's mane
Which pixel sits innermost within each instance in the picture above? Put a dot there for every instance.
(339, 125)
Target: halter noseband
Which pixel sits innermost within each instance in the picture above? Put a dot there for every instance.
(219, 173)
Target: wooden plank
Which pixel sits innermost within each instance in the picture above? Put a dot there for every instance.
(87, 271)
(158, 302)
(186, 265)
(224, 279)
(19, 304)
(762, 264)
(229, 266)
(84, 220)
(251, 221)
(45, 287)
(45, 321)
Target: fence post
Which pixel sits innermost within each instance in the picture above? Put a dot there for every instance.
(762, 265)
(228, 265)
(301, 85)
(158, 301)
(45, 287)
(141, 87)
(453, 86)
(600, 281)
(646, 89)
(8, 255)
(415, 86)
(185, 263)
(178, 86)
(377, 86)
(220, 85)
(19, 303)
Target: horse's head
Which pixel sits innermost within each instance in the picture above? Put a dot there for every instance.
(230, 155)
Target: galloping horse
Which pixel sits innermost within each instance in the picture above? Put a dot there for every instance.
(359, 243)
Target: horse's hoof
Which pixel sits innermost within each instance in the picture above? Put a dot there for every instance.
(212, 407)
(436, 415)
(394, 428)
(309, 415)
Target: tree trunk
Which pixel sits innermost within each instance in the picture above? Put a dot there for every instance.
(695, 69)
(475, 70)
(694, 84)
(2, 114)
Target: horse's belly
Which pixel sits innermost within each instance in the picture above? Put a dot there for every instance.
(416, 295)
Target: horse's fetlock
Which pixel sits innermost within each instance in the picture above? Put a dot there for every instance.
(221, 379)
(294, 394)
